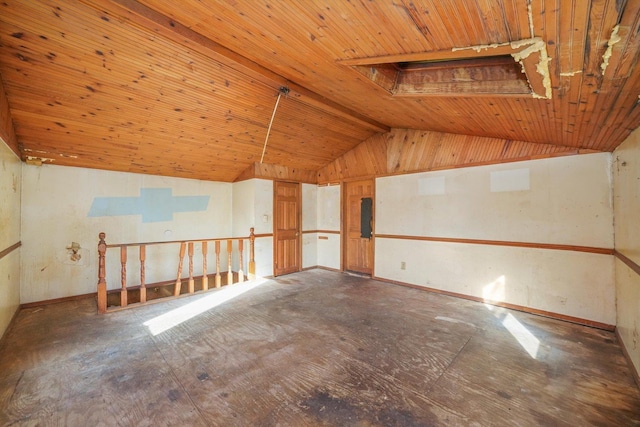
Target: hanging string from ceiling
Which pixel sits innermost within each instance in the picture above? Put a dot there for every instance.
(282, 91)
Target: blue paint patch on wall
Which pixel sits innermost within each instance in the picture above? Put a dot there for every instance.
(154, 204)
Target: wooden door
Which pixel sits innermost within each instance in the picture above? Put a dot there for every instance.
(358, 229)
(287, 223)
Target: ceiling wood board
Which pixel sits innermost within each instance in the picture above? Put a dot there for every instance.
(488, 29)
(198, 81)
(408, 151)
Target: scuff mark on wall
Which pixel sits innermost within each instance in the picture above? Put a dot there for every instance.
(615, 38)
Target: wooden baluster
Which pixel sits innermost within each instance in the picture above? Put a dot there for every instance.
(240, 249)
(143, 286)
(178, 286)
(102, 280)
(218, 277)
(230, 260)
(252, 261)
(205, 278)
(192, 288)
(123, 276)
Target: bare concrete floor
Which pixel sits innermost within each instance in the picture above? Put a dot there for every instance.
(312, 348)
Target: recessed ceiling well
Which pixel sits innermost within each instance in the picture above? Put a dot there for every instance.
(517, 68)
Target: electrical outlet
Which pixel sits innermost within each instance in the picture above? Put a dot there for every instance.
(403, 265)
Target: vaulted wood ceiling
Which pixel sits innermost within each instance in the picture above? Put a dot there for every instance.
(188, 88)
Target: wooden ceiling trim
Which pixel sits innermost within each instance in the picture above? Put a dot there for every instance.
(7, 132)
(439, 55)
(150, 20)
(408, 151)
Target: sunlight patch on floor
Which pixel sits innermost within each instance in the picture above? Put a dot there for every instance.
(173, 318)
(527, 340)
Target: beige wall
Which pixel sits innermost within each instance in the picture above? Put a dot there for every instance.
(328, 217)
(309, 223)
(253, 207)
(56, 202)
(626, 191)
(565, 201)
(10, 183)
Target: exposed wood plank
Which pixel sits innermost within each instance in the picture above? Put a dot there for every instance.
(464, 52)
(7, 251)
(628, 262)
(323, 231)
(407, 151)
(557, 247)
(35, 304)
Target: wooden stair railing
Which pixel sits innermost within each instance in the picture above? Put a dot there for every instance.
(144, 292)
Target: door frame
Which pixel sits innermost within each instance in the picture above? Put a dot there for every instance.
(343, 225)
(275, 225)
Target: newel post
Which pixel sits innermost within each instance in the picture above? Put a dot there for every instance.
(252, 262)
(102, 282)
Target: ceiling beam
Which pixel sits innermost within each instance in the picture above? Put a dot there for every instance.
(7, 132)
(150, 20)
(436, 55)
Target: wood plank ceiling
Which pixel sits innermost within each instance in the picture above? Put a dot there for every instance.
(188, 89)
